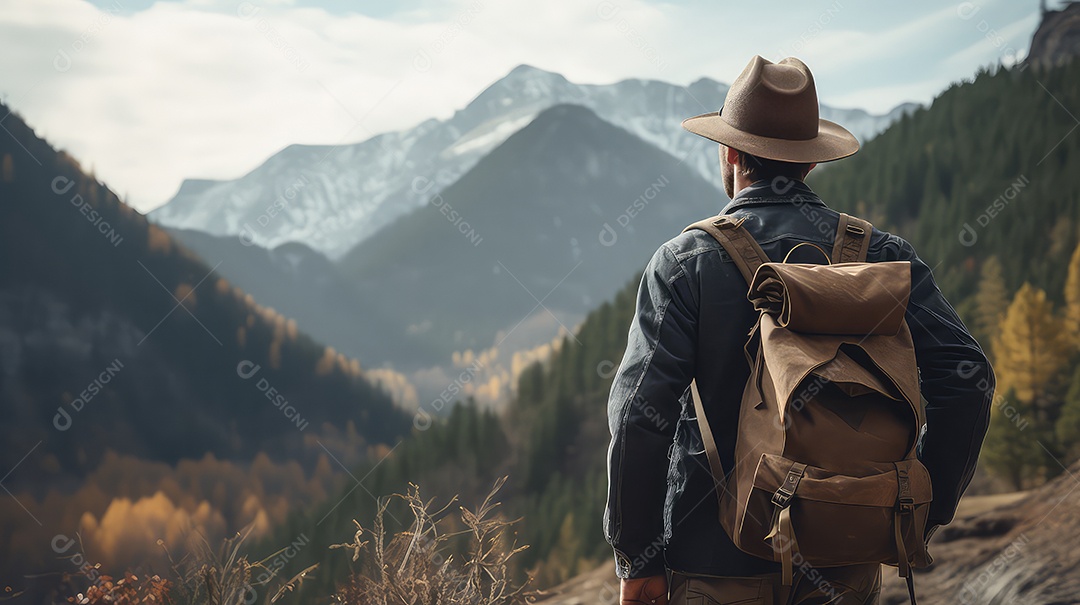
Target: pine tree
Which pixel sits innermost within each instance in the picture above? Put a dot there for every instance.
(1009, 451)
(991, 299)
(1029, 349)
(1068, 424)
(531, 384)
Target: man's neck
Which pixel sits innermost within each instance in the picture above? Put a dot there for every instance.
(779, 184)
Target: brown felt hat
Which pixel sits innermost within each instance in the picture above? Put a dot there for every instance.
(771, 111)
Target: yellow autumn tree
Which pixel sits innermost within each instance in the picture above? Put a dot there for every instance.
(1030, 347)
(185, 294)
(325, 365)
(274, 354)
(1072, 301)
(157, 240)
(991, 299)
(7, 172)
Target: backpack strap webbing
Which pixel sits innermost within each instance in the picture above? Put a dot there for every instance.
(902, 521)
(736, 240)
(707, 439)
(852, 240)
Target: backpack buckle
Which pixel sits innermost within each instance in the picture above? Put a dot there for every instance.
(783, 495)
(904, 498)
(782, 498)
(855, 230)
(727, 222)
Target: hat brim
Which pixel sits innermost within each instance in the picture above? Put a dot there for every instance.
(833, 141)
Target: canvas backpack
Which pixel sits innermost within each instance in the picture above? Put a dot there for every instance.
(826, 472)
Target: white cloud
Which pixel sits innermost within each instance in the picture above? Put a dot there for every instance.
(211, 88)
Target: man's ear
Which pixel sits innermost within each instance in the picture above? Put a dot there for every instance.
(731, 154)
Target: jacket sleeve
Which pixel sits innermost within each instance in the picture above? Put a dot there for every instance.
(957, 383)
(643, 408)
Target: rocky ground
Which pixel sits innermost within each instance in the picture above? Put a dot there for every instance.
(1005, 549)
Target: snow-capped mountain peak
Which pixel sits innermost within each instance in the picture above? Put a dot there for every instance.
(332, 199)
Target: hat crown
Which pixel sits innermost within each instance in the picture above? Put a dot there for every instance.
(774, 100)
(771, 111)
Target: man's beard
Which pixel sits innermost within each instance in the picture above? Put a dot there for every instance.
(727, 174)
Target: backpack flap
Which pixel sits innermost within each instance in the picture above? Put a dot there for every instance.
(876, 363)
(854, 298)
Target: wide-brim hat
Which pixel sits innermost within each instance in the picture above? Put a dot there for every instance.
(771, 111)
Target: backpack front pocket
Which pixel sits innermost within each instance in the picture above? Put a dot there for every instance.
(804, 514)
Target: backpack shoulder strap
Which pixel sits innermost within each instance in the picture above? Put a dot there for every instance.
(852, 240)
(748, 256)
(736, 240)
(709, 441)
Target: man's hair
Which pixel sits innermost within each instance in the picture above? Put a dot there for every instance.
(756, 169)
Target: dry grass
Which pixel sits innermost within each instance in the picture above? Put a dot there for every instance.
(410, 568)
(204, 576)
(224, 576)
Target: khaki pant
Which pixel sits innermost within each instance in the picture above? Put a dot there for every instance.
(850, 585)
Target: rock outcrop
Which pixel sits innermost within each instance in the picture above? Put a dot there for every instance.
(1057, 40)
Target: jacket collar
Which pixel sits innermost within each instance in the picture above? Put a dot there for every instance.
(764, 192)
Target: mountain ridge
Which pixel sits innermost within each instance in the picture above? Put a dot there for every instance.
(540, 205)
(333, 199)
(180, 331)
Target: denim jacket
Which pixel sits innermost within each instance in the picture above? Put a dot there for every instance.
(692, 320)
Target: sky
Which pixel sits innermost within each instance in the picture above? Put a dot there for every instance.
(149, 93)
